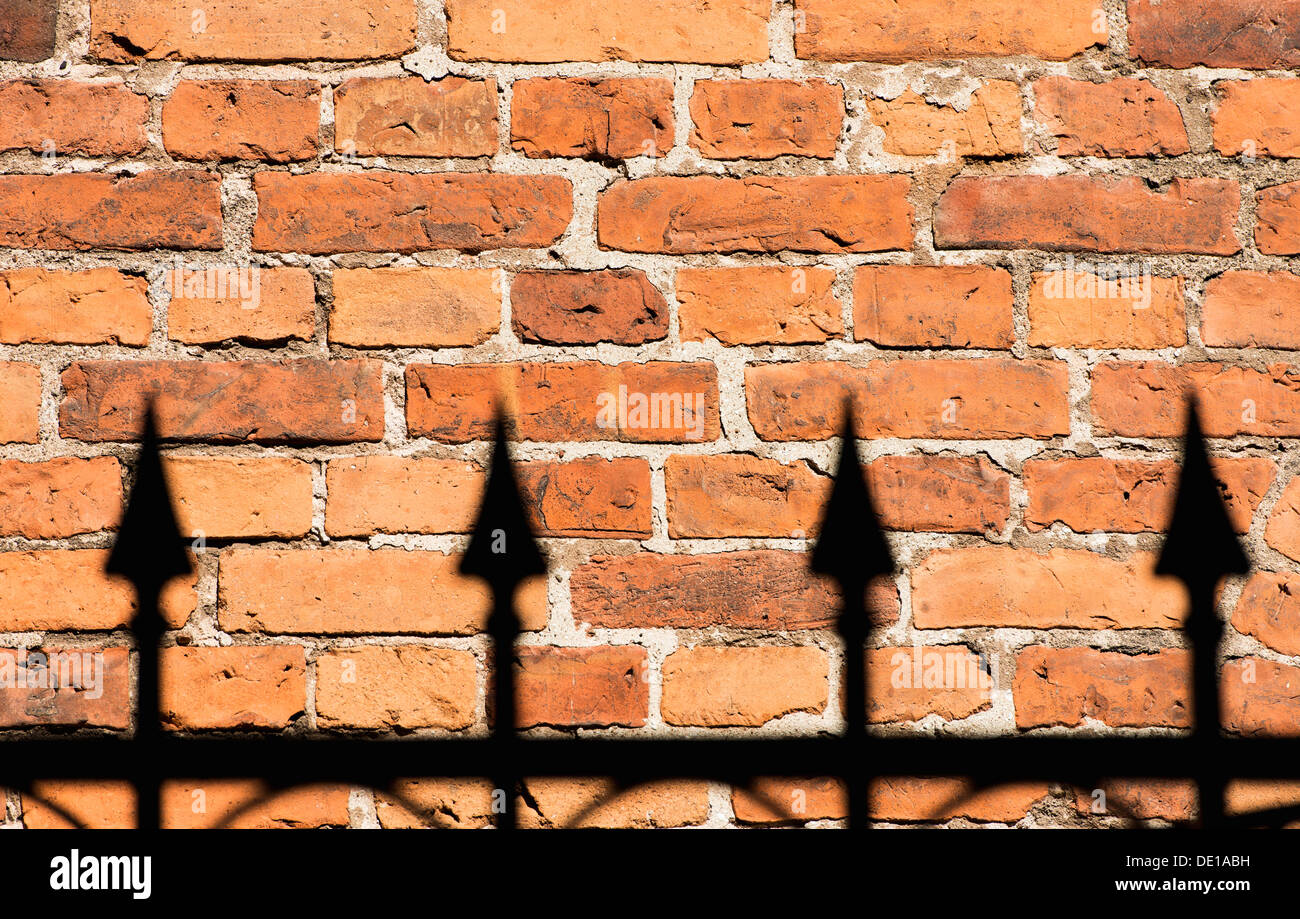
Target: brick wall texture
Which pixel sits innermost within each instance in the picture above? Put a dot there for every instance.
(332, 237)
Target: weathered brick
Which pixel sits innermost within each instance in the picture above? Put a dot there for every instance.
(346, 591)
(1230, 33)
(60, 590)
(20, 394)
(760, 589)
(1148, 399)
(1283, 531)
(235, 687)
(323, 213)
(758, 305)
(148, 210)
(59, 497)
(226, 402)
(685, 31)
(933, 800)
(379, 688)
(946, 494)
(591, 118)
(618, 305)
(678, 215)
(957, 306)
(911, 683)
(988, 125)
(249, 804)
(581, 687)
(770, 800)
(742, 687)
(1002, 587)
(731, 495)
(893, 33)
(764, 119)
(405, 116)
(443, 803)
(1269, 610)
(1260, 697)
(1147, 799)
(1123, 117)
(240, 497)
(414, 307)
(80, 687)
(987, 398)
(62, 117)
(27, 29)
(1087, 213)
(1094, 493)
(1080, 309)
(97, 306)
(596, 497)
(257, 306)
(1067, 686)
(1250, 795)
(658, 401)
(1278, 212)
(126, 31)
(96, 805)
(1257, 118)
(273, 120)
(1251, 309)
(602, 804)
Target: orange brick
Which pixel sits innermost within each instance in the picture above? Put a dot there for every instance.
(591, 118)
(620, 305)
(1283, 530)
(77, 687)
(1278, 212)
(1080, 309)
(1269, 610)
(908, 684)
(769, 800)
(1065, 686)
(241, 497)
(733, 495)
(1122, 117)
(94, 805)
(258, 305)
(441, 803)
(273, 120)
(764, 119)
(755, 306)
(1251, 309)
(936, 800)
(233, 687)
(581, 687)
(946, 494)
(404, 687)
(742, 687)
(958, 306)
(59, 497)
(20, 394)
(64, 118)
(414, 307)
(405, 116)
(1260, 698)
(988, 125)
(98, 306)
(248, 804)
(1257, 117)
(601, 804)
(1148, 799)
(1229, 33)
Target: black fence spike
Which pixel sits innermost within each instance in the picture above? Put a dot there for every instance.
(851, 548)
(503, 551)
(1200, 548)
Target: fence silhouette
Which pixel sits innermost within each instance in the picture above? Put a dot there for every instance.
(1200, 548)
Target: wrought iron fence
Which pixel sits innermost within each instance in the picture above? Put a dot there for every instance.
(1200, 548)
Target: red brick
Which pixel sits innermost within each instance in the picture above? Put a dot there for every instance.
(961, 399)
(1278, 212)
(1002, 587)
(1229, 33)
(1123, 117)
(1086, 213)
(405, 116)
(945, 494)
(249, 804)
(414, 307)
(742, 687)
(126, 31)
(761, 589)
(739, 495)
(407, 687)
(63, 117)
(988, 125)
(94, 805)
(79, 687)
(764, 119)
(59, 497)
(233, 687)
(1269, 610)
(893, 33)
(323, 213)
(1078, 309)
(148, 210)
(907, 306)
(441, 803)
(602, 804)
(20, 394)
(1066, 686)
(912, 683)
(239, 497)
(27, 29)
(592, 118)
(1251, 309)
(1257, 117)
(1283, 531)
(225, 402)
(577, 401)
(98, 306)
(1260, 698)
(758, 305)
(935, 800)
(685, 31)
(581, 687)
(618, 305)
(1148, 399)
(348, 591)
(273, 305)
(596, 497)
(1094, 493)
(1148, 799)
(273, 120)
(769, 800)
(678, 215)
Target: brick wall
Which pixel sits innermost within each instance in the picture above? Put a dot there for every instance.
(330, 236)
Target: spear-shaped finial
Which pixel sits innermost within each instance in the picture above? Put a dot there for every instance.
(503, 551)
(1200, 548)
(851, 548)
(149, 552)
